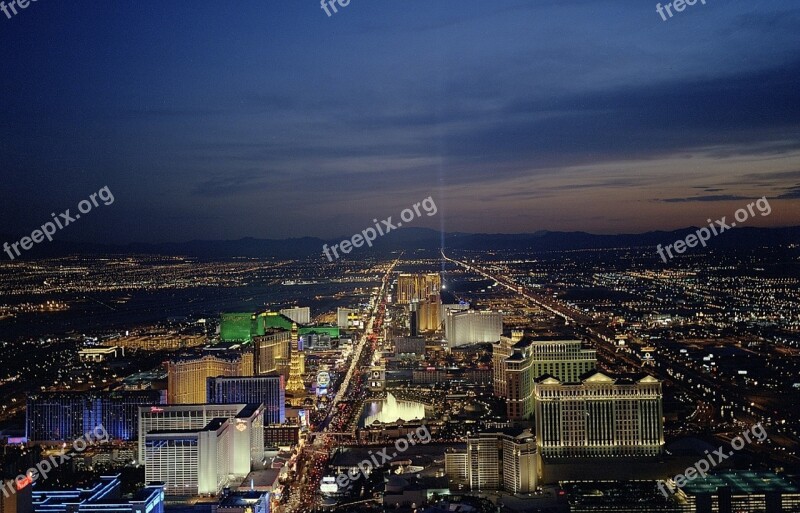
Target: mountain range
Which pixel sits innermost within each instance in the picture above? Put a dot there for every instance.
(414, 239)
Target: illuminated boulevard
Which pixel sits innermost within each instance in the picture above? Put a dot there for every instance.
(342, 412)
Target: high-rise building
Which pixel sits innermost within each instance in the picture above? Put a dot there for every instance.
(429, 313)
(195, 448)
(270, 350)
(417, 287)
(456, 307)
(316, 341)
(502, 460)
(15, 495)
(187, 375)
(268, 390)
(347, 318)
(300, 315)
(66, 416)
(599, 416)
(518, 361)
(104, 496)
(191, 462)
(472, 327)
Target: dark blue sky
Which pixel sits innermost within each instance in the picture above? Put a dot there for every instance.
(270, 119)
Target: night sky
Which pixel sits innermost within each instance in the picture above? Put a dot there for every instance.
(270, 119)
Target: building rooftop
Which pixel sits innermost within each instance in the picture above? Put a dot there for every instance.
(741, 482)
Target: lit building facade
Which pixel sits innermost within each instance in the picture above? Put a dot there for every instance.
(599, 416)
(417, 287)
(295, 387)
(190, 462)
(271, 350)
(429, 314)
(472, 327)
(520, 360)
(741, 490)
(503, 460)
(15, 495)
(65, 416)
(195, 458)
(300, 314)
(268, 390)
(104, 496)
(247, 421)
(240, 326)
(160, 341)
(186, 376)
(347, 318)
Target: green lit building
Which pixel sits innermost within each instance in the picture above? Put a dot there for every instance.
(243, 326)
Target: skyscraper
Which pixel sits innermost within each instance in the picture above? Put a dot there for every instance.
(497, 460)
(187, 375)
(518, 364)
(271, 350)
(193, 448)
(599, 416)
(429, 313)
(65, 416)
(417, 287)
(472, 327)
(347, 318)
(298, 314)
(268, 390)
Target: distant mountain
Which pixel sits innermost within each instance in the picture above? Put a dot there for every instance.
(417, 238)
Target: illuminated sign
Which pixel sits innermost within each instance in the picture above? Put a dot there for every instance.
(328, 485)
(323, 378)
(156, 409)
(22, 483)
(241, 425)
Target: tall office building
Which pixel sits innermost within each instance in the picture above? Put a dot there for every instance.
(300, 315)
(599, 416)
(518, 364)
(187, 375)
(502, 460)
(271, 350)
(417, 287)
(104, 496)
(195, 449)
(268, 390)
(66, 416)
(472, 327)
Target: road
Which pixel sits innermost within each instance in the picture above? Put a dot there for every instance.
(313, 458)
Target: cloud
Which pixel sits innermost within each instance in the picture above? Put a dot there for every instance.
(719, 197)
